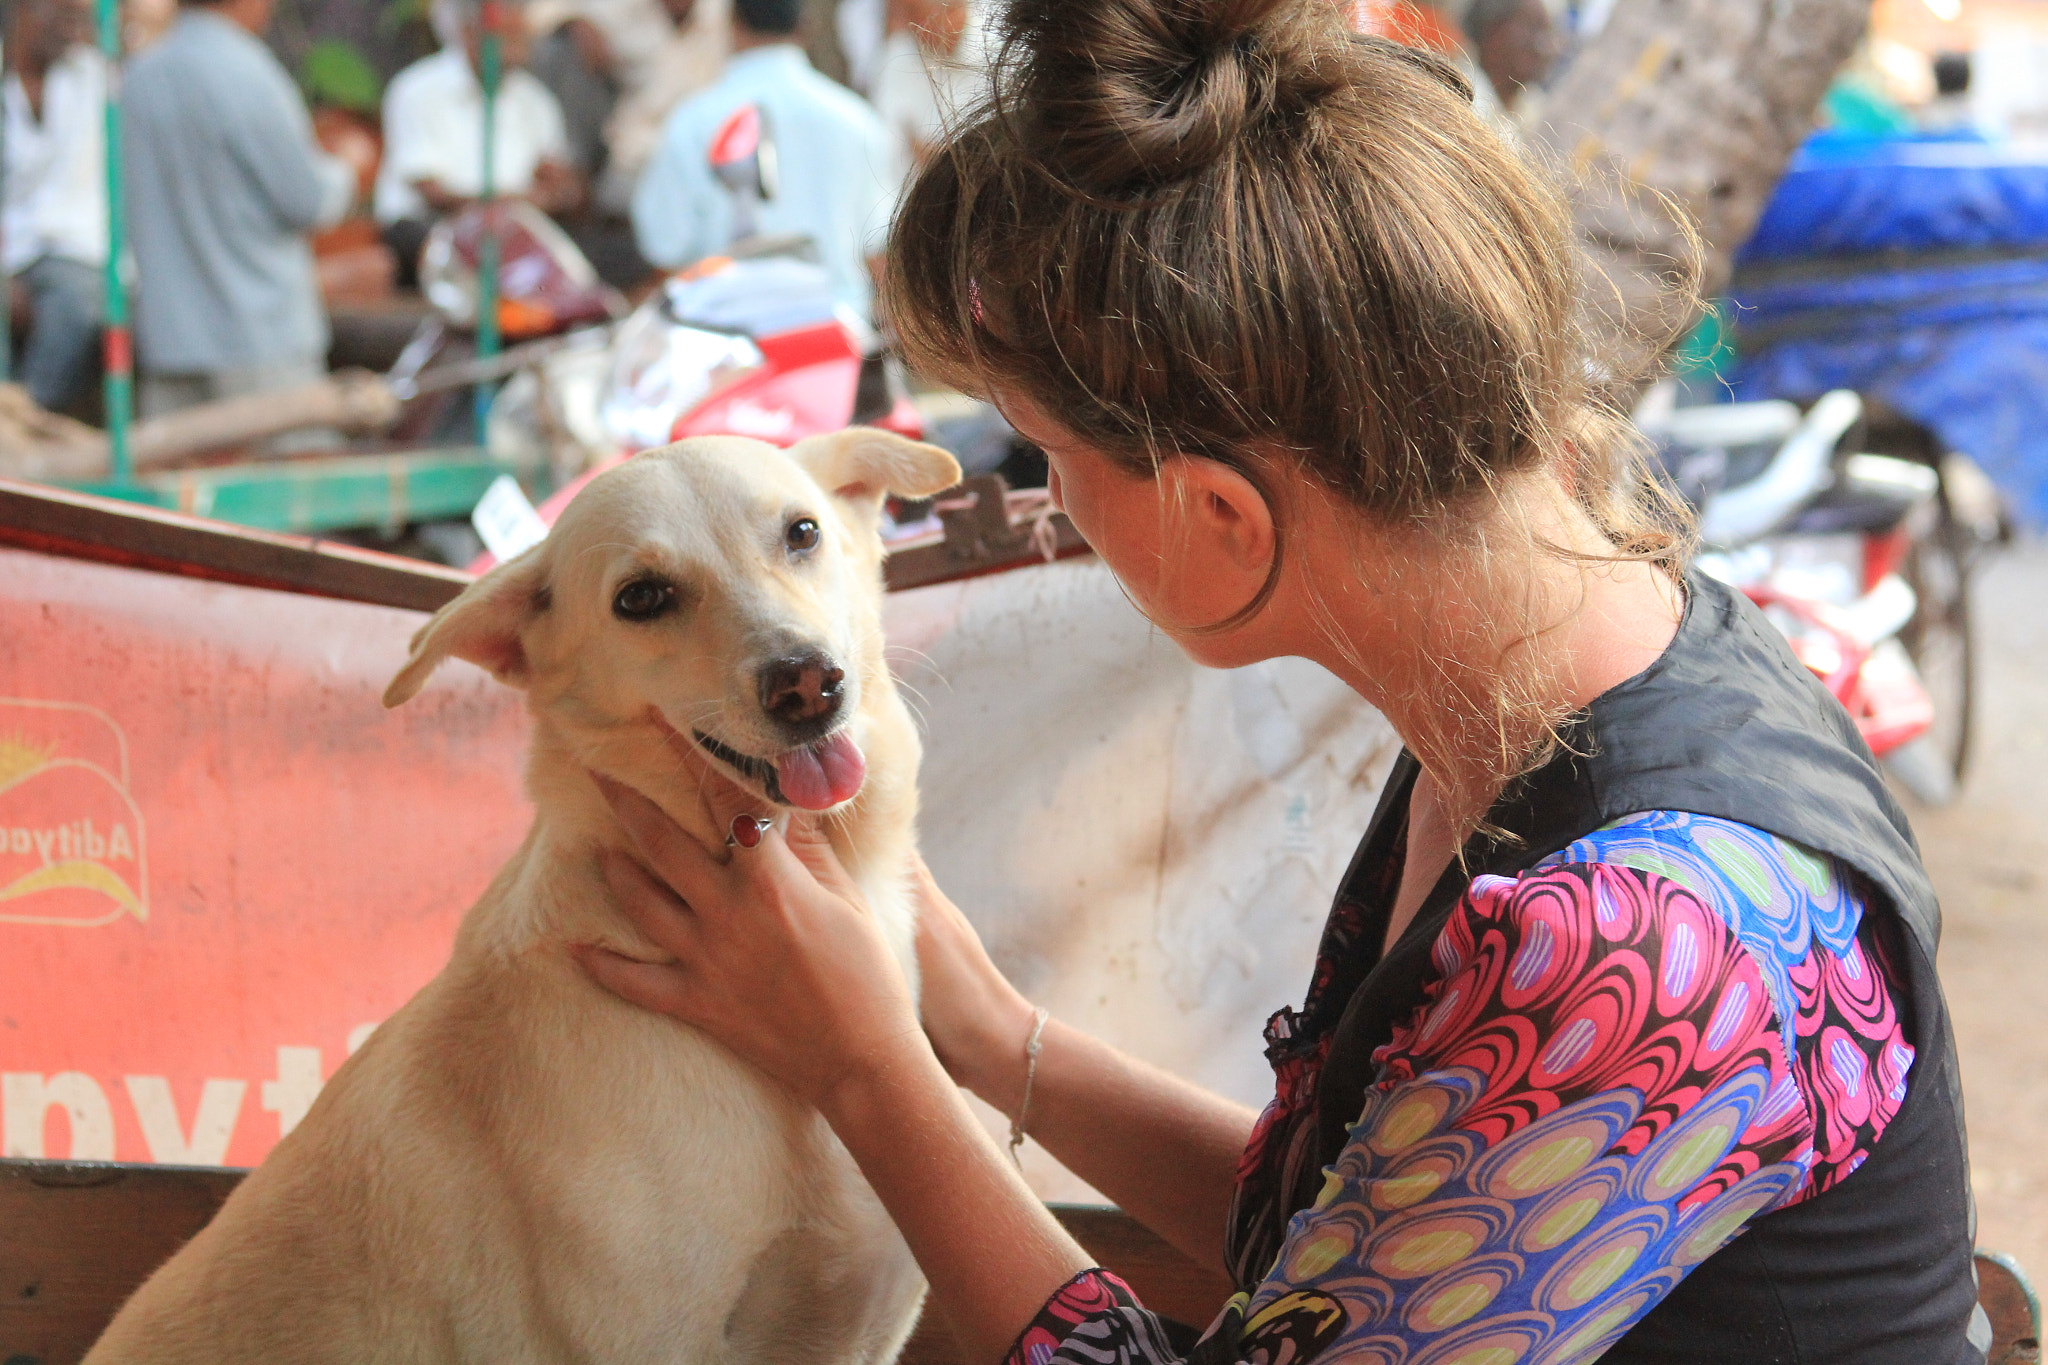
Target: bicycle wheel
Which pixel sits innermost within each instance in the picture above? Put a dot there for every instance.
(1941, 637)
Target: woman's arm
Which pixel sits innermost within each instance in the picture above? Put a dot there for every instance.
(991, 1251)
(1162, 1149)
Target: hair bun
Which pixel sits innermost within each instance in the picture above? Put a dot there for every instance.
(1125, 93)
(1439, 69)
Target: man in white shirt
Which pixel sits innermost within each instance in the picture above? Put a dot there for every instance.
(837, 169)
(433, 138)
(933, 67)
(619, 67)
(861, 27)
(55, 217)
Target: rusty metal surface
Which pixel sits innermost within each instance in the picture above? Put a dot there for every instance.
(988, 529)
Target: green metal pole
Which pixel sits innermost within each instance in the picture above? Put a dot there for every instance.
(493, 58)
(120, 348)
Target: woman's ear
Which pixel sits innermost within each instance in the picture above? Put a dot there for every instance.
(1222, 510)
(482, 626)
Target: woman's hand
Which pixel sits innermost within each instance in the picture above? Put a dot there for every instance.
(778, 958)
(777, 955)
(977, 1021)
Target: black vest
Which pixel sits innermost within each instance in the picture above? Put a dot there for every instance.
(1726, 723)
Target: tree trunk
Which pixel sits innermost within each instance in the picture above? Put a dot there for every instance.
(1685, 109)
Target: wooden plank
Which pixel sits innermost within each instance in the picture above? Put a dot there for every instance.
(987, 531)
(77, 1238)
(1169, 1283)
(981, 538)
(83, 526)
(1165, 1281)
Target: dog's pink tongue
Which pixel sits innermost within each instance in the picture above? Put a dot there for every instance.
(820, 778)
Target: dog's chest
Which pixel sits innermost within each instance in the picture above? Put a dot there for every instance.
(677, 1176)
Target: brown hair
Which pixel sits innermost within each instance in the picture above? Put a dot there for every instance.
(1230, 228)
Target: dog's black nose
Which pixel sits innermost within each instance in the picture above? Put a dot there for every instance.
(803, 691)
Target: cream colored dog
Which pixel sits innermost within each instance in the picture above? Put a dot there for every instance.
(518, 1167)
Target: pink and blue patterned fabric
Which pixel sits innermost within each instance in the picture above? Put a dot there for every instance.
(1625, 1054)
(1094, 1311)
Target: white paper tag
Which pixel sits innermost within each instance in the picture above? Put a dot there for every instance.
(506, 520)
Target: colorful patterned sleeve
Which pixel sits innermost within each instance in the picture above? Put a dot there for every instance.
(1095, 1318)
(1618, 1065)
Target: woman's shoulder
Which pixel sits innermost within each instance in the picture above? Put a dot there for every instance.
(1593, 960)
(1706, 853)
(1781, 898)
(1673, 915)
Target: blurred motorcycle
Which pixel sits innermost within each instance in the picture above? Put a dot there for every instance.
(1863, 560)
(549, 299)
(754, 342)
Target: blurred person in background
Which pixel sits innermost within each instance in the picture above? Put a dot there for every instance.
(143, 22)
(224, 181)
(1514, 45)
(861, 27)
(1949, 111)
(933, 64)
(55, 223)
(433, 138)
(837, 167)
(1516, 42)
(618, 67)
(578, 61)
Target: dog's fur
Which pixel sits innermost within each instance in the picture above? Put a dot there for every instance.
(518, 1167)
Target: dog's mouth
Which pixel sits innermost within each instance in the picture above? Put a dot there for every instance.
(760, 770)
(816, 777)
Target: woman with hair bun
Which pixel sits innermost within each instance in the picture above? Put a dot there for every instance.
(1624, 1041)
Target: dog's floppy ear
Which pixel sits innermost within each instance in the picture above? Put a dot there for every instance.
(482, 626)
(865, 465)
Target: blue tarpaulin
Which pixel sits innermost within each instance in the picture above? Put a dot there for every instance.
(1852, 196)
(1915, 271)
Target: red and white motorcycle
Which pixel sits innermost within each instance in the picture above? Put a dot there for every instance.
(1863, 560)
(754, 342)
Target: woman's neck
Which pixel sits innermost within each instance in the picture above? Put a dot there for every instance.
(1474, 645)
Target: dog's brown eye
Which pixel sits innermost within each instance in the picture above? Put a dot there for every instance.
(803, 534)
(643, 599)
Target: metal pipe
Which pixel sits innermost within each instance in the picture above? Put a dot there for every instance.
(492, 61)
(120, 347)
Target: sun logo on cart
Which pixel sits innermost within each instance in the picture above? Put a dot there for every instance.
(72, 845)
